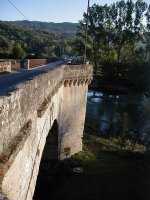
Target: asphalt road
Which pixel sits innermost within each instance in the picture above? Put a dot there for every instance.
(8, 82)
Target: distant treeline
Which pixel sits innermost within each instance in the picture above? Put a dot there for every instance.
(38, 39)
(66, 28)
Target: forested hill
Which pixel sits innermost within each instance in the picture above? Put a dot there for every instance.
(39, 42)
(67, 28)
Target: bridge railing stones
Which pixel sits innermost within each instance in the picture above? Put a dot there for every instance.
(30, 101)
(17, 108)
(41, 110)
(78, 74)
(78, 71)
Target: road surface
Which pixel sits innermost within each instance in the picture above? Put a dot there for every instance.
(8, 82)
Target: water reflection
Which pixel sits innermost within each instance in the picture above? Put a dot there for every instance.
(102, 109)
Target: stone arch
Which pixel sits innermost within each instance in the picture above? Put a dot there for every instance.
(49, 157)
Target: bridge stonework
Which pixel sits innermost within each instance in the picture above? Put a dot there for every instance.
(27, 115)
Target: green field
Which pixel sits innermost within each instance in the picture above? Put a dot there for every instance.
(108, 174)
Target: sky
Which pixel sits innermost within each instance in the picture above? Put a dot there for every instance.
(47, 10)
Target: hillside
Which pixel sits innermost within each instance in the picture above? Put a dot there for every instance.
(38, 41)
(66, 28)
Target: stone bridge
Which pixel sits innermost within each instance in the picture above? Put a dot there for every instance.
(54, 100)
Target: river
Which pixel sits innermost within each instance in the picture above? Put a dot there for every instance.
(55, 179)
(102, 110)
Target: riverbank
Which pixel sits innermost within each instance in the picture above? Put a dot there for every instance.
(115, 85)
(107, 174)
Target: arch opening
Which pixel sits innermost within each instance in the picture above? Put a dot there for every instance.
(49, 159)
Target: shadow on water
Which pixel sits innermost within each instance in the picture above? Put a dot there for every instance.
(102, 109)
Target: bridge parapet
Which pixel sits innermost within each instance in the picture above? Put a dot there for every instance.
(78, 71)
(18, 106)
(40, 101)
(77, 75)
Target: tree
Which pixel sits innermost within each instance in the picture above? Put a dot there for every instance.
(18, 52)
(123, 119)
(147, 36)
(115, 35)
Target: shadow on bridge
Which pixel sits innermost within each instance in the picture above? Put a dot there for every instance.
(13, 81)
(48, 162)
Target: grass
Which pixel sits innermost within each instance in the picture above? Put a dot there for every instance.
(113, 145)
(107, 175)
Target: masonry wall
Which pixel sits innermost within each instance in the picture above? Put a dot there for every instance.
(15, 64)
(5, 67)
(20, 180)
(19, 106)
(74, 107)
(27, 115)
(72, 121)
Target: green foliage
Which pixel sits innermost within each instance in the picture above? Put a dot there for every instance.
(123, 119)
(105, 176)
(80, 158)
(116, 32)
(5, 146)
(111, 145)
(18, 52)
(34, 41)
(66, 28)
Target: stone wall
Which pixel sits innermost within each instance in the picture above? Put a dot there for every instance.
(5, 67)
(78, 72)
(74, 102)
(27, 115)
(15, 64)
(77, 78)
(19, 179)
(18, 107)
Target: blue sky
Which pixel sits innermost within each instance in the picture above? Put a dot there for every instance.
(47, 10)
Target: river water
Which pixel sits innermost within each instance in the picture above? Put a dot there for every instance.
(102, 109)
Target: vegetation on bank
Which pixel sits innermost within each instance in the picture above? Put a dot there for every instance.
(118, 42)
(107, 174)
(116, 33)
(111, 175)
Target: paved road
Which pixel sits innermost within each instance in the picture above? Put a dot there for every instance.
(8, 82)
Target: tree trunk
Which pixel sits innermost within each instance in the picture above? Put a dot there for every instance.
(95, 57)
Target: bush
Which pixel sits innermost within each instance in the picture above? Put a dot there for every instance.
(18, 52)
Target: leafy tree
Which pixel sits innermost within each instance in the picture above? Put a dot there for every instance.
(5, 45)
(18, 52)
(147, 36)
(123, 119)
(114, 32)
